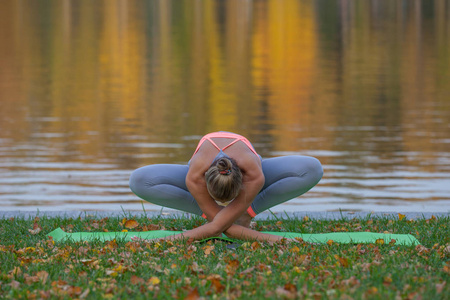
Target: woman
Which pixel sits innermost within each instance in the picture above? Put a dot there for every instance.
(227, 183)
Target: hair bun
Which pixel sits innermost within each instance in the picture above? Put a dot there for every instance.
(224, 164)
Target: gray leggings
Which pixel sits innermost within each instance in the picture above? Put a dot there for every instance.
(286, 177)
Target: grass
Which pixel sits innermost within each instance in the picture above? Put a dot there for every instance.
(32, 266)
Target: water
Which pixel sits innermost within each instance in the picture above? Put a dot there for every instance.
(89, 91)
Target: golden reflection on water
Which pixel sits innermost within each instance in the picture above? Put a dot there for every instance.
(138, 82)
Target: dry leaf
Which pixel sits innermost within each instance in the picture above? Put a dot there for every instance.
(232, 266)
(14, 284)
(447, 249)
(42, 275)
(295, 249)
(207, 249)
(30, 279)
(136, 280)
(401, 217)
(440, 287)
(255, 245)
(249, 270)
(342, 260)
(193, 295)
(84, 294)
(130, 224)
(216, 284)
(36, 229)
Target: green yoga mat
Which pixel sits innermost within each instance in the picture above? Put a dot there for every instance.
(338, 237)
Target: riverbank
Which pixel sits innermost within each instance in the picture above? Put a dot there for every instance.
(34, 266)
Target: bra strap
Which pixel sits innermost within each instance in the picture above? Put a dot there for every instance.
(214, 144)
(230, 144)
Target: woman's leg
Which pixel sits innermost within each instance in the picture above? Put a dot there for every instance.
(286, 178)
(165, 185)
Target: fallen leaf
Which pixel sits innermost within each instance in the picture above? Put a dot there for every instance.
(193, 295)
(153, 280)
(290, 287)
(42, 275)
(216, 283)
(36, 228)
(136, 280)
(207, 249)
(342, 260)
(295, 249)
(14, 284)
(422, 249)
(249, 270)
(150, 227)
(281, 293)
(446, 269)
(15, 272)
(401, 217)
(30, 279)
(84, 294)
(447, 249)
(255, 245)
(111, 244)
(440, 287)
(379, 241)
(232, 266)
(130, 224)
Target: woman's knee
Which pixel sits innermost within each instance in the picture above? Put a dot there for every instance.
(150, 178)
(314, 168)
(307, 168)
(139, 180)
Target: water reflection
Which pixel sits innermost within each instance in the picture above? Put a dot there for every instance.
(92, 90)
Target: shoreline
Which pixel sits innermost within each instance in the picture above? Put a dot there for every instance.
(325, 215)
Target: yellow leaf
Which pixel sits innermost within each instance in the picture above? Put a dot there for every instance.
(387, 279)
(119, 268)
(330, 242)
(401, 217)
(305, 218)
(130, 224)
(154, 280)
(295, 249)
(380, 241)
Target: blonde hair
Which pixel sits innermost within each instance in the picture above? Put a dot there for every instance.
(224, 179)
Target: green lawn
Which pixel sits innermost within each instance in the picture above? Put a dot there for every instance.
(32, 266)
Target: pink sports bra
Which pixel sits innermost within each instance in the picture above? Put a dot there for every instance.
(224, 134)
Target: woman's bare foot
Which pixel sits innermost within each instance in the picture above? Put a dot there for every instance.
(244, 220)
